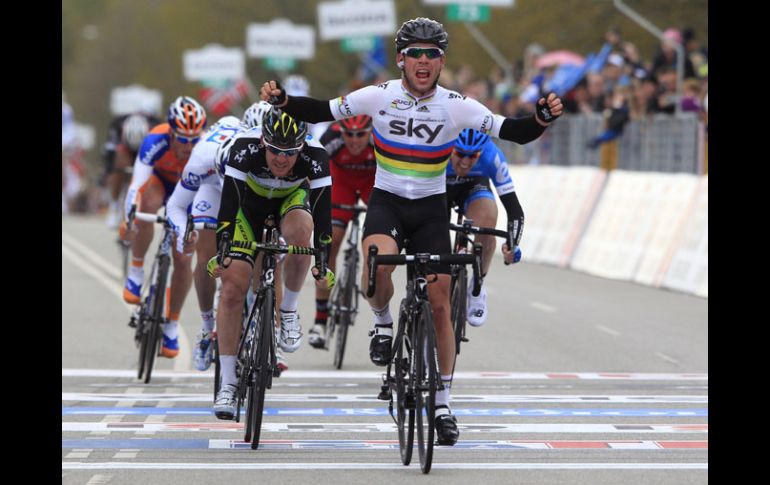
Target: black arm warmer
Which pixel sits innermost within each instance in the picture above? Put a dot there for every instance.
(321, 207)
(515, 212)
(310, 110)
(232, 191)
(521, 130)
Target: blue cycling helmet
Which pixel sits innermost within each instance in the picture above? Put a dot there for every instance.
(471, 141)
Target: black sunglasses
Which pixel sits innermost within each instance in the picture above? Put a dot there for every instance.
(289, 152)
(417, 52)
(355, 134)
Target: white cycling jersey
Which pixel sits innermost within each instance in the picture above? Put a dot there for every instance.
(200, 187)
(413, 137)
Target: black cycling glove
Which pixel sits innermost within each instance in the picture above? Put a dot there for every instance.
(280, 99)
(543, 112)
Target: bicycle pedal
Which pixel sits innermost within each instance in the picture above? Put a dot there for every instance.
(385, 393)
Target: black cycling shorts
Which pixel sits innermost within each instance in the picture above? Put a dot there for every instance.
(472, 188)
(424, 223)
(250, 220)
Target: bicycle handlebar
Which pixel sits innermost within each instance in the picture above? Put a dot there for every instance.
(319, 253)
(468, 228)
(424, 259)
(196, 226)
(147, 217)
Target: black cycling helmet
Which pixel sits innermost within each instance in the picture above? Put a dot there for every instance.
(281, 130)
(421, 29)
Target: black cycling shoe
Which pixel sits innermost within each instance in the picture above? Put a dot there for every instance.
(446, 430)
(380, 349)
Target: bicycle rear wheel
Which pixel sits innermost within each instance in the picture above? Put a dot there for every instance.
(425, 365)
(404, 404)
(264, 372)
(459, 306)
(246, 351)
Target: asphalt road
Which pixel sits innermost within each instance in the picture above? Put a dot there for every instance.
(573, 379)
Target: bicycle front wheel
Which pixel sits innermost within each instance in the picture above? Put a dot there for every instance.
(404, 402)
(425, 366)
(459, 305)
(263, 360)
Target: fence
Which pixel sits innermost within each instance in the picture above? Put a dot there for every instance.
(662, 143)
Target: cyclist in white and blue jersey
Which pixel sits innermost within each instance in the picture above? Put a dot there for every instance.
(198, 192)
(475, 161)
(415, 123)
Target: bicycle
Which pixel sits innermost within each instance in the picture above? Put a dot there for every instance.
(413, 372)
(149, 316)
(256, 349)
(458, 288)
(344, 295)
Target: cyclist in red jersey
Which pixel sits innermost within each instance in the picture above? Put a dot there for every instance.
(352, 162)
(158, 166)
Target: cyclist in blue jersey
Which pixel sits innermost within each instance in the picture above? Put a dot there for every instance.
(475, 161)
(415, 123)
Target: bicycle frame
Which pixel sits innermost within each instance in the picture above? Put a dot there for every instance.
(413, 372)
(256, 350)
(458, 287)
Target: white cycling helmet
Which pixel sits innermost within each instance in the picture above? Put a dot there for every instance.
(222, 155)
(135, 128)
(252, 117)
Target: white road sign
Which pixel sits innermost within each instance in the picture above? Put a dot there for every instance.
(280, 38)
(350, 18)
(214, 62)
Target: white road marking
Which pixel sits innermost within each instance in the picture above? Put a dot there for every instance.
(542, 306)
(377, 375)
(80, 452)
(127, 454)
(378, 466)
(667, 358)
(168, 400)
(99, 479)
(113, 287)
(317, 427)
(93, 256)
(607, 330)
(182, 360)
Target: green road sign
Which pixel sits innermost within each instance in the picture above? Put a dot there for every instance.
(280, 63)
(358, 44)
(467, 13)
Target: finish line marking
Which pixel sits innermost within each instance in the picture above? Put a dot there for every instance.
(382, 411)
(375, 445)
(489, 398)
(378, 466)
(345, 375)
(384, 427)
